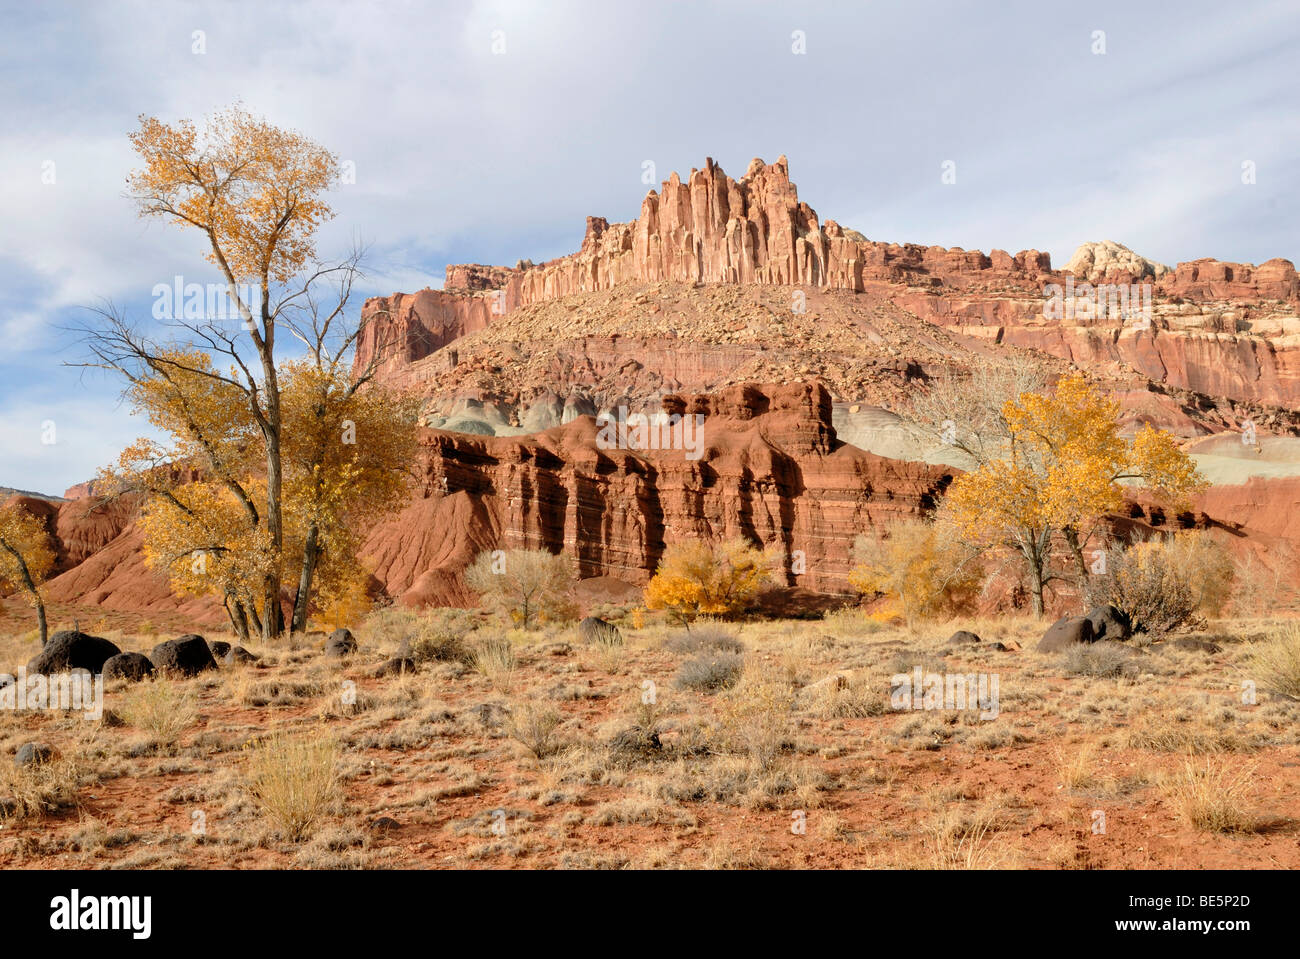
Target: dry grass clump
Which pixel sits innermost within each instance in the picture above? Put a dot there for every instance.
(962, 839)
(1276, 662)
(704, 640)
(160, 708)
(38, 789)
(533, 726)
(295, 781)
(442, 635)
(710, 672)
(756, 718)
(494, 658)
(1100, 661)
(1209, 797)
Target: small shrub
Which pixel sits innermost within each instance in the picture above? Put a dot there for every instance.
(1100, 661)
(919, 568)
(494, 657)
(294, 781)
(1149, 583)
(710, 672)
(534, 726)
(159, 708)
(441, 635)
(704, 639)
(1209, 797)
(756, 717)
(696, 579)
(1276, 662)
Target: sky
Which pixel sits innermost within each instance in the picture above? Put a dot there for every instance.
(488, 131)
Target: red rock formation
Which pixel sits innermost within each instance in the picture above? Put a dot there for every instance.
(770, 469)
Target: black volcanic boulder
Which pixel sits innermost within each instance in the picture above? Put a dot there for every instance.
(962, 636)
(1109, 623)
(129, 666)
(238, 654)
(68, 650)
(1066, 632)
(341, 643)
(596, 630)
(186, 656)
(219, 648)
(395, 667)
(35, 754)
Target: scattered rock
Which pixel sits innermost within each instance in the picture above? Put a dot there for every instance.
(827, 684)
(219, 648)
(963, 636)
(1064, 633)
(636, 741)
(341, 643)
(132, 667)
(35, 754)
(395, 667)
(186, 656)
(385, 824)
(1199, 645)
(596, 630)
(238, 655)
(68, 650)
(490, 714)
(9, 806)
(1109, 623)
(111, 719)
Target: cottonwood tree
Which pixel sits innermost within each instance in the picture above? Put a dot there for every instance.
(920, 569)
(25, 559)
(523, 585)
(275, 481)
(695, 578)
(1061, 472)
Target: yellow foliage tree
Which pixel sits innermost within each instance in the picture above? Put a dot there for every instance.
(1061, 472)
(696, 579)
(923, 572)
(345, 455)
(25, 558)
(267, 438)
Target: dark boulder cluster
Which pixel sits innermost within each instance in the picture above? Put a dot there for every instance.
(71, 650)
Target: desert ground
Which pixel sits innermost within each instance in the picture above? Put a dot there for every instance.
(755, 744)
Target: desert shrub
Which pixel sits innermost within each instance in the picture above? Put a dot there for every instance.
(442, 635)
(1100, 661)
(1146, 582)
(1208, 568)
(38, 789)
(294, 781)
(1209, 797)
(695, 578)
(533, 726)
(1261, 587)
(709, 672)
(524, 587)
(757, 716)
(494, 658)
(920, 570)
(704, 639)
(1276, 662)
(160, 708)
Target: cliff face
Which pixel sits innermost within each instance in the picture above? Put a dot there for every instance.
(769, 468)
(1224, 329)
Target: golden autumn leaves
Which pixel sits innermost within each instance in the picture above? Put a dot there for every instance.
(1060, 473)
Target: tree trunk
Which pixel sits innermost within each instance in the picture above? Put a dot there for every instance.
(310, 555)
(40, 618)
